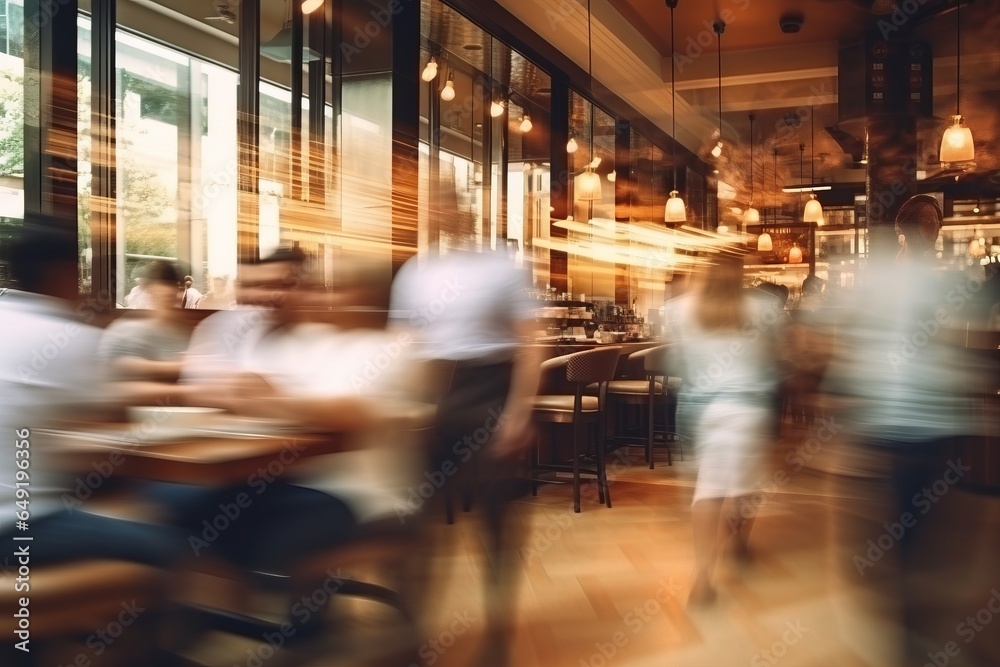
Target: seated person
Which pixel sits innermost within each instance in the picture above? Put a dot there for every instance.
(269, 360)
(143, 353)
(40, 389)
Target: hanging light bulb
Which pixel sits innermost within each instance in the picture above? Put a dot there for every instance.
(448, 92)
(813, 211)
(613, 175)
(752, 215)
(496, 108)
(675, 211)
(309, 6)
(956, 143)
(430, 70)
(571, 145)
(526, 123)
(719, 27)
(795, 255)
(764, 243)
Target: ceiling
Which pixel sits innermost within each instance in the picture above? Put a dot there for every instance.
(787, 80)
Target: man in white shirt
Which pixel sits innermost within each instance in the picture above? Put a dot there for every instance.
(48, 373)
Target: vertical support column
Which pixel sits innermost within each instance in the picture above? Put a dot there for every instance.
(559, 180)
(434, 199)
(188, 139)
(891, 177)
(295, 150)
(317, 108)
(405, 132)
(198, 252)
(103, 161)
(623, 187)
(50, 110)
(248, 129)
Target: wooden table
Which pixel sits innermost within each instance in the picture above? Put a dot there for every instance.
(210, 457)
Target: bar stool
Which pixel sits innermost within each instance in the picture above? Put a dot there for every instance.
(591, 367)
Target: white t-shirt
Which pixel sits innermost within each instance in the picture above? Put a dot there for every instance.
(464, 306)
(47, 363)
(317, 360)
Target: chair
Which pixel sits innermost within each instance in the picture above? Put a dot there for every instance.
(656, 364)
(69, 600)
(591, 367)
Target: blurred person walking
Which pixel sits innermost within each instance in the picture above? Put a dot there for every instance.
(469, 311)
(725, 343)
(900, 378)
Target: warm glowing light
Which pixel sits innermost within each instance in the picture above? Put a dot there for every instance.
(496, 109)
(587, 186)
(751, 216)
(764, 243)
(717, 151)
(448, 92)
(813, 211)
(795, 255)
(309, 6)
(526, 124)
(612, 176)
(430, 70)
(675, 210)
(956, 144)
(571, 145)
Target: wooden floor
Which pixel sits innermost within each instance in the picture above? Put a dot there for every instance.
(610, 586)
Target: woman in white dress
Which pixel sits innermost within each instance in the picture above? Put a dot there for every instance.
(725, 343)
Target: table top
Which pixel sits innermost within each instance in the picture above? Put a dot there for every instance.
(210, 456)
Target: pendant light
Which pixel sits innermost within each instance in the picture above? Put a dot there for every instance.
(309, 6)
(448, 92)
(430, 70)
(719, 27)
(525, 125)
(752, 215)
(764, 243)
(674, 210)
(956, 143)
(814, 210)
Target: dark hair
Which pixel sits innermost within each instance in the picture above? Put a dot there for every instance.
(162, 271)
(919, 218)
(44, 244)
(291, 255)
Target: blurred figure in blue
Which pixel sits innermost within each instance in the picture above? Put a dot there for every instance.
(724, 340)
(470, 311)
(900, 378)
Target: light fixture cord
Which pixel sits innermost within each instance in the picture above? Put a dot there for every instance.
(958, 54)
(720, 81)
(590, 49)
(751, 160)
(673, 102)
(776, 183)
(812, 145)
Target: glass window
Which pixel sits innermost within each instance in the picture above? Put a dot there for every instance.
(176, 163)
